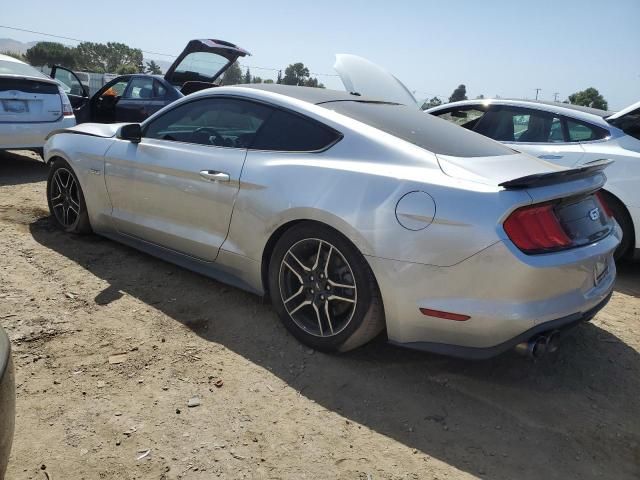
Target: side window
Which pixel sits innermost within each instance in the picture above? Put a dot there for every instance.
(70, 83)
(159, 91)
(289, 132)
(115, 90)
(140, 88)
(508, 124)
(221, 122)
(465, 117)
(580, 132)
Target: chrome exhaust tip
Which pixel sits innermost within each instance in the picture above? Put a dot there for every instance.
(539, 346)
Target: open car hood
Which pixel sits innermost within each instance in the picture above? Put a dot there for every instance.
(202, 62)
(359, 75)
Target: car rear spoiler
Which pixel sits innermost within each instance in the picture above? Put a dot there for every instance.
(552, 178)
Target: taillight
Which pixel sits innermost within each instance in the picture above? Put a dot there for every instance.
(603, 203)
(536, 228)
(67, 109)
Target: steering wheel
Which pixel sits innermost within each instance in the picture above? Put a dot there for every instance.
(203, 135)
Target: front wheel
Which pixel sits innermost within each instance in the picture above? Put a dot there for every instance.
(323, 289)
(66, 200)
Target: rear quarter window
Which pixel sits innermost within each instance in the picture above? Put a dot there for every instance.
(581, 132)
(289, 132)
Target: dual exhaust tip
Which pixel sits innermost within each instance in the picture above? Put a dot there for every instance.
(540, 345)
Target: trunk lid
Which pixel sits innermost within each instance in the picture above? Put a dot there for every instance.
(627, 120)
(203, 62)
(25, 100)
(359, 75)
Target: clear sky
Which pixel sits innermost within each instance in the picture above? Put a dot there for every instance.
(498, 47)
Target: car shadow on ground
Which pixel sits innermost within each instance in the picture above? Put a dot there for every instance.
(504, 418)
(628, 281)
(20, 168)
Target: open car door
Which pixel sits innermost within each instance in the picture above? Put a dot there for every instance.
(359, 75)
(72, 86)
(201, 63)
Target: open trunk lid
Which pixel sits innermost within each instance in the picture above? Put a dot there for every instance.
(627, 120)
(359, 75)
(201, 63)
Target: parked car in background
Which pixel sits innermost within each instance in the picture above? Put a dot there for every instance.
(571, 136)
(353, 214)
(31, 106)
(133, 98)
(7, 401)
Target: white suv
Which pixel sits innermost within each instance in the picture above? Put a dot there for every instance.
(31, 106)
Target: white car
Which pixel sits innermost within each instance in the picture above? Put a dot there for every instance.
(31, 106)
(570, 136)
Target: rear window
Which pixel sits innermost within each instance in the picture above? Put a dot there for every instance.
(292, 133)
(628, 123)
(424, 130)
(7, 67)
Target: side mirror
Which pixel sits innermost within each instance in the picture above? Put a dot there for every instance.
(131, 132)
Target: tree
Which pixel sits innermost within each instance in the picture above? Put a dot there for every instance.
(153, 68)
(51, 53)
(434, 102)
(313, 82)
(247, 76)
(589, 98)
(17, 55)
(279, 79)
(458, 94)
(257, 80)
(268, 80)
(233, 75)
(112, 57)
(296, 74)
(480, 97)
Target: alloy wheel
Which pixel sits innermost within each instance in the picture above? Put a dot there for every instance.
(64, 197)
(317, 287)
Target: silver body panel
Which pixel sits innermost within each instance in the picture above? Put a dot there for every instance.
(149, 195)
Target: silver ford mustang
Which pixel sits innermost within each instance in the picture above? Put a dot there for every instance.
(352, 214)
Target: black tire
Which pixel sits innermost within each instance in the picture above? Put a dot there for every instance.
(362, 315)
(620, 213)
(65, 198)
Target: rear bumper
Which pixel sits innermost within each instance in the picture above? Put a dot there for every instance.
(507, 294)
(30, 135)
(471, 353)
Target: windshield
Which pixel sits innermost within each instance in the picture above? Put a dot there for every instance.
(426, 131)
(7, 67)
(202, 66)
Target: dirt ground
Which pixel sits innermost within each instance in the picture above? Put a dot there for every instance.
(269, 407)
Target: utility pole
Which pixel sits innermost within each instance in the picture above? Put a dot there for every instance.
(555, 96)
(537, 90)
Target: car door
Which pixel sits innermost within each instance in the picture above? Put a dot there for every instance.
(71, 84)
(143, 97)
(104, 103)
(536, 132)
(176, 187)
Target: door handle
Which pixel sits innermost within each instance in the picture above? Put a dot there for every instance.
(550, 157)
(214, 176)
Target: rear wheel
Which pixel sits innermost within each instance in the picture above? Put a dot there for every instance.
(623, 218)
(323, 289)
(66, 201)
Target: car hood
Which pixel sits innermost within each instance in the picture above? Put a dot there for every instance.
(104, 130)
(359, 75)
(203, 61)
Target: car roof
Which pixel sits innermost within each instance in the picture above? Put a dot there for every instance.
(313, 95)
(586, 114)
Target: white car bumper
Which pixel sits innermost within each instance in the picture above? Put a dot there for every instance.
(30, 135)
